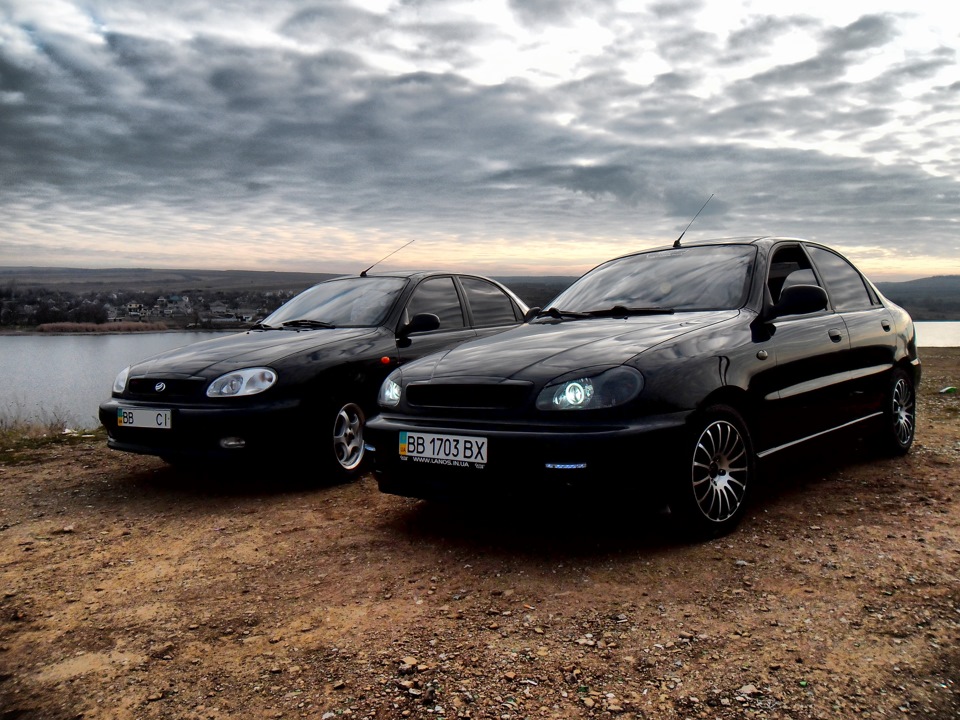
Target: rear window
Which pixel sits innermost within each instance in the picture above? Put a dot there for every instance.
(488, 303)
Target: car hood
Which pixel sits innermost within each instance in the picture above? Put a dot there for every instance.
(539, 349)
(247, 349)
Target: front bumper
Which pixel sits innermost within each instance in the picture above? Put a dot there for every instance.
(207, 431)
(524, 459)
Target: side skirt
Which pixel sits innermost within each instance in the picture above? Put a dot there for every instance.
(771, 451)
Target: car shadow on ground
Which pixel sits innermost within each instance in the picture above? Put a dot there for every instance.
(608, 524)
(200, 481)
(532, 528)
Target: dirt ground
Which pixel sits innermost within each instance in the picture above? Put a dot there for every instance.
(131, 590)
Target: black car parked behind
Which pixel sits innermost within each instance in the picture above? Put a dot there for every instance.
(304, 380)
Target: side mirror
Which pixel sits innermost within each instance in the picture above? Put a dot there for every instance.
(799, 300)
(531, 314)
(421, 322)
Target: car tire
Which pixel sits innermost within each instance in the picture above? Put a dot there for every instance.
(899, 415)
(716, 473)
(347, 439)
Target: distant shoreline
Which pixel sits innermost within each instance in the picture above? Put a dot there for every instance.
(108, 329)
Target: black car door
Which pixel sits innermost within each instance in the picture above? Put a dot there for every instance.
(802, 394)
(870, 327)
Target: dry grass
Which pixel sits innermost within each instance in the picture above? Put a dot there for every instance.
(18, 437)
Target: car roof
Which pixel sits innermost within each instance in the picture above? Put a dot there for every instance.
(411, 274)
(740, 240)
(760, 240)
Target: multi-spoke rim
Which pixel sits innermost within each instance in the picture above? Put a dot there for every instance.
(904, 412)
(348, 436)
(720, 471)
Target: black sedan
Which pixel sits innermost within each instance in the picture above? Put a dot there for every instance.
(665, 375)
(304, 379)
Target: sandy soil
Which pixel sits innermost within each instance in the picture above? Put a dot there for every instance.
(132, 590)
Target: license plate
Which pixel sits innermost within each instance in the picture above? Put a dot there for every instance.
(144, 418)
(454, 450)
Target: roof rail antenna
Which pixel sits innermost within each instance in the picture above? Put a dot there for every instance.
(364, 273)
(676, 243)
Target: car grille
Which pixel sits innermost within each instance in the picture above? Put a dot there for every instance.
(500, 396)
(146, 389)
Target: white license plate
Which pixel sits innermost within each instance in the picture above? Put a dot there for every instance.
(457, 450)
(156, 418)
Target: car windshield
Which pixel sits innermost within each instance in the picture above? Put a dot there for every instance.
(344, 302)
(694, 278)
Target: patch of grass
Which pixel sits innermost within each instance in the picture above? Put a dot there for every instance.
(18, 439)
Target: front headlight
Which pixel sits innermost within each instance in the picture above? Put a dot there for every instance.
(389, 395)
(606, 389)
(248, 381)
(120, 384)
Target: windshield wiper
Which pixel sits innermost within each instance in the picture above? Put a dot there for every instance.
(560, 314)
(623, 311)
(304, 323)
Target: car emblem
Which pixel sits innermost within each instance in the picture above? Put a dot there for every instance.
(160, 387)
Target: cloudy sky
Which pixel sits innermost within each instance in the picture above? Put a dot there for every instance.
(505, 136)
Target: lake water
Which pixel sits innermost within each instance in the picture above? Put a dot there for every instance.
(66, 377)
(44, 378)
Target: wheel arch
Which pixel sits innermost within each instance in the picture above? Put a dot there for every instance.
(734, 397)
(354, 381)
(912, 367)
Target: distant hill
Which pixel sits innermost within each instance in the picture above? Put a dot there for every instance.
(82, 280)
(534, 290)
(932, 298)
(923, 286)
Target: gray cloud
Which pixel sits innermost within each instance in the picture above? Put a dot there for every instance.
(539, 13)
(204, 127)
(870, 31)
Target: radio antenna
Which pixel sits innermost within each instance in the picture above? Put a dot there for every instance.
(364, 273)
(676, 243)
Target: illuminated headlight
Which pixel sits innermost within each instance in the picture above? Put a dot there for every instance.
(120, 384)
(248, 381)
(606, 389)
(389, 395)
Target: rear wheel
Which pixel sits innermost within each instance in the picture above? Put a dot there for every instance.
(899, 415)
(716, 473)
(347, 438)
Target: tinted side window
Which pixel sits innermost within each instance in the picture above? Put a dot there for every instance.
(843, 282)
(437, 296)
(489, 304)
(788, 267)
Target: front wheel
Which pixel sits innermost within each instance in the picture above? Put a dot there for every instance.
(348, 450)
(716, 473)
(899, 415)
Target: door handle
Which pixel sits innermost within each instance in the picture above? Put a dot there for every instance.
(885, 324)
(835, 335)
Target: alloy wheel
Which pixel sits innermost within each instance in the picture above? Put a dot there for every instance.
(720, 471)
(348, 436)
(904, 412)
